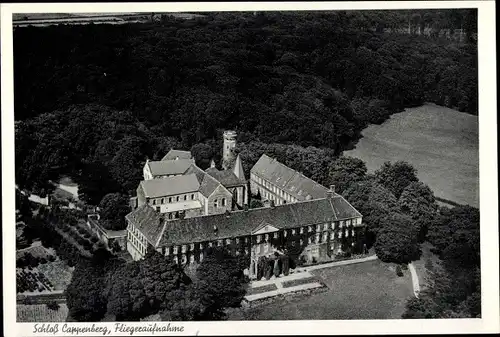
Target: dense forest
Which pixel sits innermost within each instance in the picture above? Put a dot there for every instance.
(112, 95)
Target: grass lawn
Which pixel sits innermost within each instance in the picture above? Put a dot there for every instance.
(441, 143)
(369, 290)
(40, 313)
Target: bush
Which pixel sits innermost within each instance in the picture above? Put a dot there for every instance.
(404, 266)
(43, 260)
(51, 258)
(399, 271)
(53, 305)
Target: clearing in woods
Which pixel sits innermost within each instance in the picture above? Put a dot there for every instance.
(441, 143)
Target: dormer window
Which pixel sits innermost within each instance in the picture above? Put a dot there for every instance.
(177, 198)
(223, 201)
(228, 241)
(266, 237)
(192, 196)
(185, 197)
(275, 235)
(215, 203)
(183, 248)
(154, 201)
(191, 246)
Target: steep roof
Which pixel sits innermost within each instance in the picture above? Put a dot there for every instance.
(208, 184)
(225, 177)
(154, 188)
(168, 167)
(149, 222)
(241, 223)
(293, 182)
(238, 169)
(177, 154)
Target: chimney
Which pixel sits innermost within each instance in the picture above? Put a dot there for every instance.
(331, 192)
(212, 163)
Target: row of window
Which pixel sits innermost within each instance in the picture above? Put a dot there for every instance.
(277, 190)
(222, 202)
(191, 247)
(201, 256)
(140, 245)
(169, 200)
(316, 239)
(185, 248)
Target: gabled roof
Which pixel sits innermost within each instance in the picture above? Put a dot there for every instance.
(177, 154)
(208, 184)
(289, 180)
(243, 223)
(161, 187)
(149, 222)
(225, 177)
(168, 167)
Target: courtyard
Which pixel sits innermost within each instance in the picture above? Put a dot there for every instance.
(368, 290)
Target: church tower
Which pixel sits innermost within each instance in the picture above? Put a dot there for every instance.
(228, 149)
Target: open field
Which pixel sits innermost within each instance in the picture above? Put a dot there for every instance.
(441, 143)
(40, 313)
(369, 290)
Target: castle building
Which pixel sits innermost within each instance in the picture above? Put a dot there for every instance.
(177, 188)
(316, 230)
(276, 182)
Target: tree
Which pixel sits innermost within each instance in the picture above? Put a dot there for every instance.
(396, 176)
(221, 284)
(375, 202)
(202, 154)
(53, 305)
(345, 171)
(84, 295)
(397, 241)
(113, 208)
(256, 203)
(455, 236)
(417, 200)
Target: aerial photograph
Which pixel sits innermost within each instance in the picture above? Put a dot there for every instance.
(246, 165)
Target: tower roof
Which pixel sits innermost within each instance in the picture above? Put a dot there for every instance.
(238, 169)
